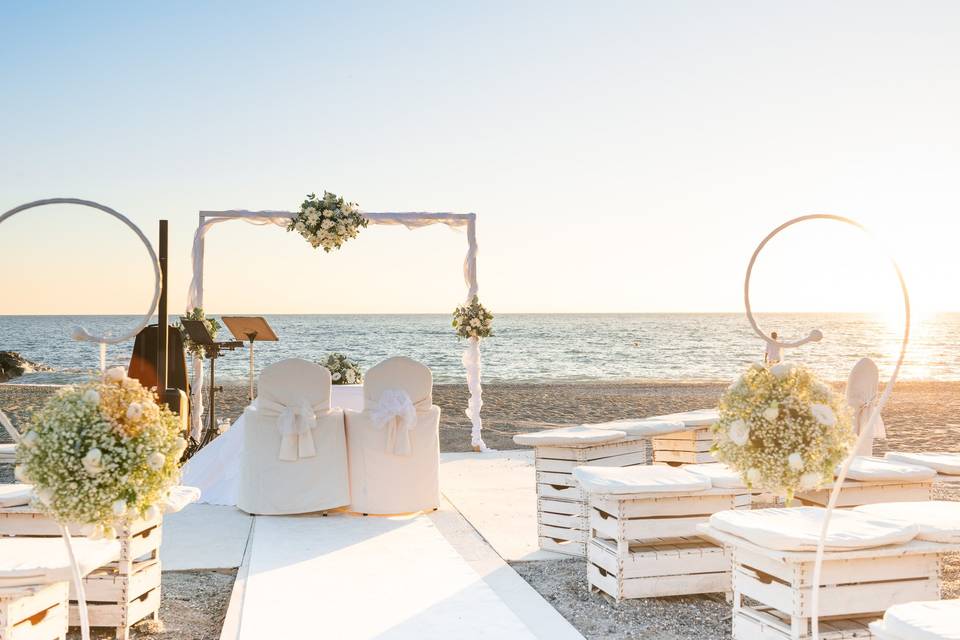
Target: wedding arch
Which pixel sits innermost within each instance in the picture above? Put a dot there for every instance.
(410, 220)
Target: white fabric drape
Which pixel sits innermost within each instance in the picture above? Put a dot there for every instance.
(410, 220)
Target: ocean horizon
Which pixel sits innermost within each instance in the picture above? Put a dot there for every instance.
(530, 347)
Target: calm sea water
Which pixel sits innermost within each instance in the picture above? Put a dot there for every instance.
(533, 347)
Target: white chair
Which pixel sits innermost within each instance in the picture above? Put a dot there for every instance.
(862, 391)
(394, 443)
(294, 457)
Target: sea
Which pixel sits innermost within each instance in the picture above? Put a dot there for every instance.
(531, 348)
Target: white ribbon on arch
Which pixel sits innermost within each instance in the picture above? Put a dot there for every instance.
(410, 220)
(875, 407)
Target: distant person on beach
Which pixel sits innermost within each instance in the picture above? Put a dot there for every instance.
(774, 352)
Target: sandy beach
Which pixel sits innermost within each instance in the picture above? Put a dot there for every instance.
(920, 416)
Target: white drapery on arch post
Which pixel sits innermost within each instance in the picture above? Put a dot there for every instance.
(410, 220)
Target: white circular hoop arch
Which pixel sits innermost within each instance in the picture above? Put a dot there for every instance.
(814, 336)
(411, 220)
(80, 333)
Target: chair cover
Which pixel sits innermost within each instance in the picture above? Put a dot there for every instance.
(394, 443)
(294, 456)
(862, 386)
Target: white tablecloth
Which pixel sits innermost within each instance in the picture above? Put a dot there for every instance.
(215, 469)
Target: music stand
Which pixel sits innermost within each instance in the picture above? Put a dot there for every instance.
(250, 328)
(198, 333)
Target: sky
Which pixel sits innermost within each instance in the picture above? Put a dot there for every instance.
(620, 157)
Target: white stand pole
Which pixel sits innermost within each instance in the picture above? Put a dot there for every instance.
(251, 371)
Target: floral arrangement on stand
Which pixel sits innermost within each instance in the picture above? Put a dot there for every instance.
(342, 369)
(472, 320)
(327, 222)
(100, 452)
(782, 429)
(213, 326)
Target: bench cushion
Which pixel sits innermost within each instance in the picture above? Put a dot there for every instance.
(15, 495)
(639, 479)
(645, 427)
(179, 497)
(695, 418)
(798, 529)
(937, 620)
(569, 436)
(720, 475)
(946, 463)
(867, 469)
(26, 561)
(937, 520)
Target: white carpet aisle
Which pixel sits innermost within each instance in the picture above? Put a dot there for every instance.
(354, 577)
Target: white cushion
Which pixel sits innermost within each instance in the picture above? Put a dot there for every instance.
(866, 469)
(938, 520)
(15, 495)
(569, 436)
(639, 479)
(948, 463)
(26, 561)
(645, 427)
(798, 529)
(179, 497)
(695, 418)
(936, 620)
(720, 475)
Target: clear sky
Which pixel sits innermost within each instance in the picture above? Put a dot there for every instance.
(620, 156)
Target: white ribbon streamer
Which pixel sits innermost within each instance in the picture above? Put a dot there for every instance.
(396, 413)
(410, 220)
(296, 424)
(6, 424)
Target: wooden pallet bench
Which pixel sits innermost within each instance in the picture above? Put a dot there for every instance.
(772, 589)
(36, 612)
(685, 447)
(855, 493)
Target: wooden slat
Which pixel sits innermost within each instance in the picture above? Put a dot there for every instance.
(685, 457)
(682, 445)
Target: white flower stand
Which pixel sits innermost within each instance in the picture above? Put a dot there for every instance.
(35, 612)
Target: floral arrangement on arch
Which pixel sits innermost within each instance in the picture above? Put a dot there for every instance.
(342, 369)
(327, 222)
(472, 320)
(100, 452)
(782, 429)
(213, 326)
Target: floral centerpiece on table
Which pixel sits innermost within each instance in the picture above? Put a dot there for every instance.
(782, 429)
(342, 369)
(472, 320)
(102, 451)
(213, 326)
(327, 222)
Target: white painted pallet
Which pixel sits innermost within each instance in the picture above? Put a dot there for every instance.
(772, 589)
(647, 545)
(119, 594)
(562, 509)
(684, 447)
(855, 493)
(34, 612)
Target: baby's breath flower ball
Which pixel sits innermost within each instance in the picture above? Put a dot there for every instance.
(782, 429)
(101, 451)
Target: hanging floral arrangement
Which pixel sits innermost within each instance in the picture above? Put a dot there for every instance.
(100, 452)
(782, 429)
(472, 320)
(327, 222)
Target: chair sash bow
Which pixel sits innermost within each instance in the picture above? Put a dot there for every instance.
(397, 413)
(296, 424)
(862, 414)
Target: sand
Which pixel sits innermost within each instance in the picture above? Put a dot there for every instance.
(920, 416)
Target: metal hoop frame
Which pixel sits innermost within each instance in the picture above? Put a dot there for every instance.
(80, 333)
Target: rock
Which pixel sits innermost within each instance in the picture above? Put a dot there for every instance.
(13, 365)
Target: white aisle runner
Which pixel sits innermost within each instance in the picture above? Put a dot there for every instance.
(350, 577)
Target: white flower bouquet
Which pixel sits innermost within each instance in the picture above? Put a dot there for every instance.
(473, 320)
(101, 451)
(327, 222)
(213, 326)
(342, 369)
(782, 429)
